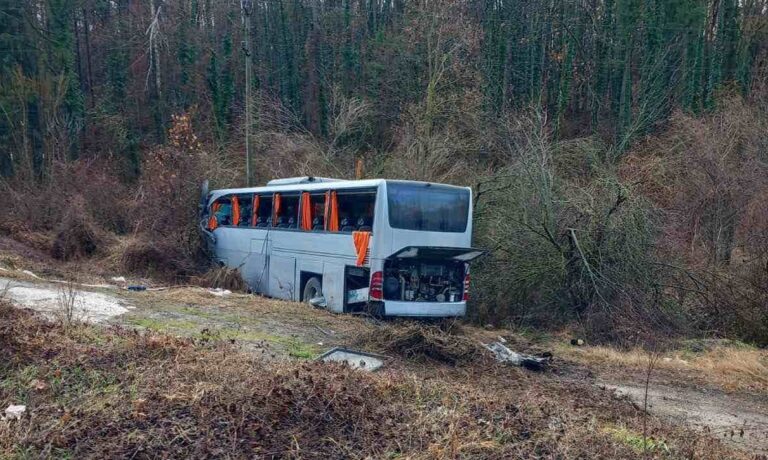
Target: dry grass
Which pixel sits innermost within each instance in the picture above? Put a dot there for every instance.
(223, 278)
(731, 367)
(413, 340)
(76, 236)
(157, 259)
(117, 393)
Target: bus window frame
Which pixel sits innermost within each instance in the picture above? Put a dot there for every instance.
(249, 196)
(361, 191)
(218, 199)
(244, 198)
(283, 195)
(297, 194)
(312, 194)
(262, 196)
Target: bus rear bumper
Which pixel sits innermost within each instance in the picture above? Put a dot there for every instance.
(424, 309)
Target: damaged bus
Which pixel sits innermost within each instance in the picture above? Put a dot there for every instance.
(388, 247)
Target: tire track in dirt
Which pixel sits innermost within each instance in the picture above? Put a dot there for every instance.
(739, 420)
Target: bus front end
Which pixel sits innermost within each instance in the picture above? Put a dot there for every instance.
(423, 250)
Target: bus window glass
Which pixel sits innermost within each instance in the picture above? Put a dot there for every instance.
(317, 203)
(356, 210)
(246, 203)
(288, 214)
(433, 208)
(224, 213)
(264, 213)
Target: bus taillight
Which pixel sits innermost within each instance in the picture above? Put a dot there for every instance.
(466, 285)
(377, 281)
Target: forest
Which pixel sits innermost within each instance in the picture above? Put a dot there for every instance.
(617, 149)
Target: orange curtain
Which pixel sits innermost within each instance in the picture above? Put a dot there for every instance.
(361, 239)
(306, 212)
(331, 212)
(275, 209)
(235, 211)
(254, 210)
(212, 221)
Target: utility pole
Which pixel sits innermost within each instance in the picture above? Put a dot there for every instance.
(246, 7)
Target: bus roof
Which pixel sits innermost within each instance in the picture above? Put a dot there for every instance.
(311, 186)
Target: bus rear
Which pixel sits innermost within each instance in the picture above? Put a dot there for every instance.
(422, 250)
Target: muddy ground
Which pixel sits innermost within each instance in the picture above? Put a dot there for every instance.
(287, 330)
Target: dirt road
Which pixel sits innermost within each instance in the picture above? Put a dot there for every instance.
(739, 420)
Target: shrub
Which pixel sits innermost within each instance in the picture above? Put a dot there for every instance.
(161, 259)
(77, 237)
(563, 247)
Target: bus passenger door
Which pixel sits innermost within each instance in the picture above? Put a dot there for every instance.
(256, 269)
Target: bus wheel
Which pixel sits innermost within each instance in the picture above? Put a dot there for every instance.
(312, 289)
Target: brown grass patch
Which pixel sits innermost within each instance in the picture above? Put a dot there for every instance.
(76, 237)
(160, 259)
(412, 340)
(223, 278)
(731, 367)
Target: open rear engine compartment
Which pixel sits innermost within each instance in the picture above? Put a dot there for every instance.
(423, 280)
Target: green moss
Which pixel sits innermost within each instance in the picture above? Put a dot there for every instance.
(295, 348)
(302, 350)
(163, 324)
(636, 441)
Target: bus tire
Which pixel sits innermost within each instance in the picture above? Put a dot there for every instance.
(312, 289)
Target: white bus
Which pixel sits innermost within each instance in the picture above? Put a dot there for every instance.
(395, 248)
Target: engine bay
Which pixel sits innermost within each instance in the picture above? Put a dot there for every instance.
(420, 280)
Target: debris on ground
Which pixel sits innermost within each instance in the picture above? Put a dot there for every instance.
(29, 273)
(219, 292)
(356, 359)
(38, 385)
(505, 355)
(577, 342)
(14, 412)
(318, 302)
(118, 279)
(415, 340)
(137, 288)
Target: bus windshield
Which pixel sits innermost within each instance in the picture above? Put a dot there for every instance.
(427, 207)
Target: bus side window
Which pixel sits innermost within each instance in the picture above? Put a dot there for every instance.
(264, 213)
(288, 212)
(224, 213)
(356, 211)
(246, 203)
(316, 212)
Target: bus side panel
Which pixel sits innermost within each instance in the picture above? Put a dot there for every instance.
(333, 286)
(282, 277)
(256, 269)
(232, 246)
